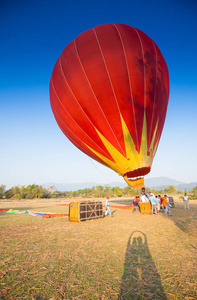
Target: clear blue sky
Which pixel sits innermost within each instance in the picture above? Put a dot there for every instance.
(32, 36)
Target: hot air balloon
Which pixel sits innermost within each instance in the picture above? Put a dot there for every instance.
(109, 93)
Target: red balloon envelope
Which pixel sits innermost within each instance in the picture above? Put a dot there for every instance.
(109, 93)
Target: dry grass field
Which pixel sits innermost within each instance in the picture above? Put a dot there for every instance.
(127, 256)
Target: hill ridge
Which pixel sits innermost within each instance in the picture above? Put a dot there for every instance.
(158, 183)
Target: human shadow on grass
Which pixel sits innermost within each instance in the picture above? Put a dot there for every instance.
(141, 279)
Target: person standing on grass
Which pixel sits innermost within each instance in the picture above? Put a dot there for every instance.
(157, 200)
(135, 204)
(166, 204)
(161, 202)
(107, 205)
(186, 201)
(153, 203)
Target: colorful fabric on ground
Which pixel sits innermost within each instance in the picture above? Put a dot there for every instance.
(12, 211)
(35, 214)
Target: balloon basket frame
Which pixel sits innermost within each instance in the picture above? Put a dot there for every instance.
(85, 210)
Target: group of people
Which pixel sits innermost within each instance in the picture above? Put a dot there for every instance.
(157, 203)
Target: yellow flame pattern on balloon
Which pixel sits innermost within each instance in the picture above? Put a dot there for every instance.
(134, 159)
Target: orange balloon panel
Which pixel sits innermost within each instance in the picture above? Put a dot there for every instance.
(109, 93)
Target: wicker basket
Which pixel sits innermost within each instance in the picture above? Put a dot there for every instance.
(171, 202)
(145, 207)
(86, 210)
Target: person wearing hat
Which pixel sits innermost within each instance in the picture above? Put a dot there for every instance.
(107, 207)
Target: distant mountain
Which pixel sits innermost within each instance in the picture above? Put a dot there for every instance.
(186, 186)
(80, 185)
(158, 183)
(161, 181)
(62, 187)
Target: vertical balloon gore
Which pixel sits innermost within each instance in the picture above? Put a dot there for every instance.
(109, 93)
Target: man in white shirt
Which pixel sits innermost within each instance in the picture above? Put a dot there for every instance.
(107, 207)
(186, 201)
(144, 198)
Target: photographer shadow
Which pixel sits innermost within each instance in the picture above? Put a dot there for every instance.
(141, 279)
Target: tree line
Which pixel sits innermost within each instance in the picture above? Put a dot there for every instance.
(37, 191)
